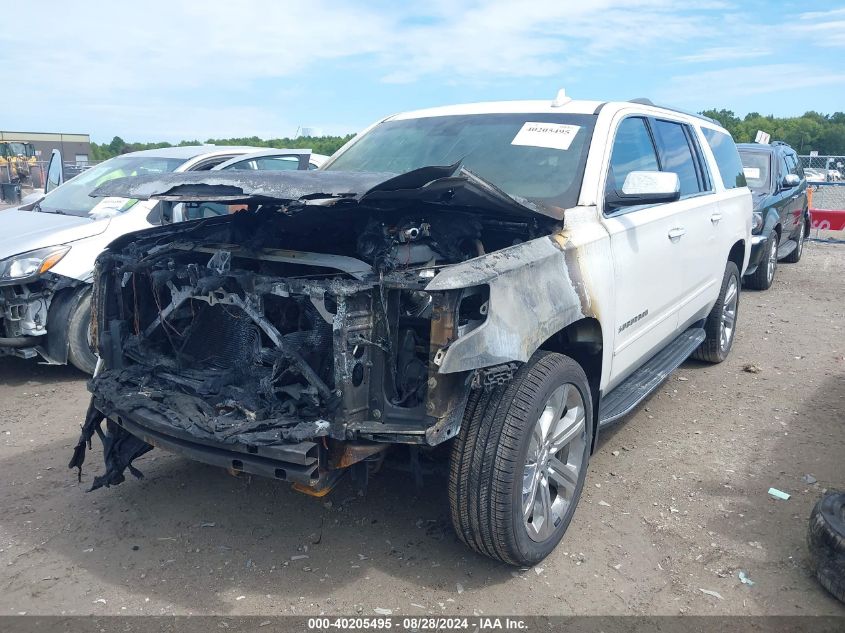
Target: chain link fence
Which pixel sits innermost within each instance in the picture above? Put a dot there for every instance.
(823, 168)
(826, 191)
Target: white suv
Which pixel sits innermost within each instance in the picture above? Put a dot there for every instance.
(505, 278)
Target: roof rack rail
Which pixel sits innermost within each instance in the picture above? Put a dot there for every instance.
(649, 102)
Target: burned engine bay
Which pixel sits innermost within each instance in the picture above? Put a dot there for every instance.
(291, 339)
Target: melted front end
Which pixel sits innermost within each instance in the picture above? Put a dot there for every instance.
(288, 345)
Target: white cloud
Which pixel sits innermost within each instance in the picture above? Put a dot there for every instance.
(158, 44)
(825, 28)
(175, 69)
(168, 45)
(725, 53)
(823, 15)
(728, 85)
(539, 39)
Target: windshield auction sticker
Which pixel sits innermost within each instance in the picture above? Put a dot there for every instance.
(108, 207)
(551, 135)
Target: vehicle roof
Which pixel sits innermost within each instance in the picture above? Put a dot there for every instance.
(765, 147)
(191, 151)
(544, 106)
(269, 151)
(501, 107)
(262, 153)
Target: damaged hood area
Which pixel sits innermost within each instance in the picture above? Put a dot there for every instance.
(327, 312)
(449, 186)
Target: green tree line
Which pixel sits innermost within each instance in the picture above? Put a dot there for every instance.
(824, 133)
(318, 144)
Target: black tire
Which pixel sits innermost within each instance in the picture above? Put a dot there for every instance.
(761, 279)
(490, 454)
(712, 350)
(79, 351)
(795, 256)
(826, 541)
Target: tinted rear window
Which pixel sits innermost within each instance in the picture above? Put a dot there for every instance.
(727, 158)
(676, 155)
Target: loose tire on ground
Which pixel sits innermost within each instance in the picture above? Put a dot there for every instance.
(763, 277)
(714, 349)
(826, 541)
(80, 353)
(499, 454)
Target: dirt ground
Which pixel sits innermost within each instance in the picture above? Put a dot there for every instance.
(676, 502)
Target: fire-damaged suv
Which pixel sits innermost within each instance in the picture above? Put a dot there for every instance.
(498, 281)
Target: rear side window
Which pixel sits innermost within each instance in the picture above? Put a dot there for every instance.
(784, 167)
(727, 157)
(632, 151)
(676, 155)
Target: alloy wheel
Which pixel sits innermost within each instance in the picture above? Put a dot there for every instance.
(553, 462)
(772, 261)
(729, 314)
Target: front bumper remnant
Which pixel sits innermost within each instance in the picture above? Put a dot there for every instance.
(758, 253)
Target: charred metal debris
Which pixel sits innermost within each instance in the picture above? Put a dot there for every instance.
(301, 336)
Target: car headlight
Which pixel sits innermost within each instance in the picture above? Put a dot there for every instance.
(756, 222)
(31, 264)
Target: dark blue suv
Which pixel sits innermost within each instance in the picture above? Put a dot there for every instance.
(781, 219)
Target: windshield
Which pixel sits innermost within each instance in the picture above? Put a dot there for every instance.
(14, 149)
(755, 166)
(73, 198)
(535, 156)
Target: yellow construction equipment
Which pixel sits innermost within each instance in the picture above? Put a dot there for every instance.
(17, 161)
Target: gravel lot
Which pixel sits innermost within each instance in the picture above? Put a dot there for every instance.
(675, 502)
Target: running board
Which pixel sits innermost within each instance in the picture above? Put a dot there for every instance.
(649, 377)
(786, 248)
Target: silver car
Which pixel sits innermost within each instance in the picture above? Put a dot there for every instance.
(48, 247)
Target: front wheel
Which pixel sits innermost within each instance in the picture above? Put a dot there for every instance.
(765, 274)
(80, 347)
(519, 463)
(720, 326)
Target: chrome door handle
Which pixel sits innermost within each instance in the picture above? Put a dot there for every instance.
(715, 218)
(677, 233)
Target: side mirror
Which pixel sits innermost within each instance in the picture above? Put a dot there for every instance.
(646, 187)
(790, 181)
(55, 171)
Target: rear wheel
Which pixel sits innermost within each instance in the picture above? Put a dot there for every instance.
(519, 463)
(80, 346)
(763, 277)
(795, 256)
(720, 326)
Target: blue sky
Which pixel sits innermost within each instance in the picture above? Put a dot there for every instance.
(176, 70)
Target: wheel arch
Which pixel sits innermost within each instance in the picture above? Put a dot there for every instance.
(772, 222)
(62, 306)
(737, 255)
(583, 342)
